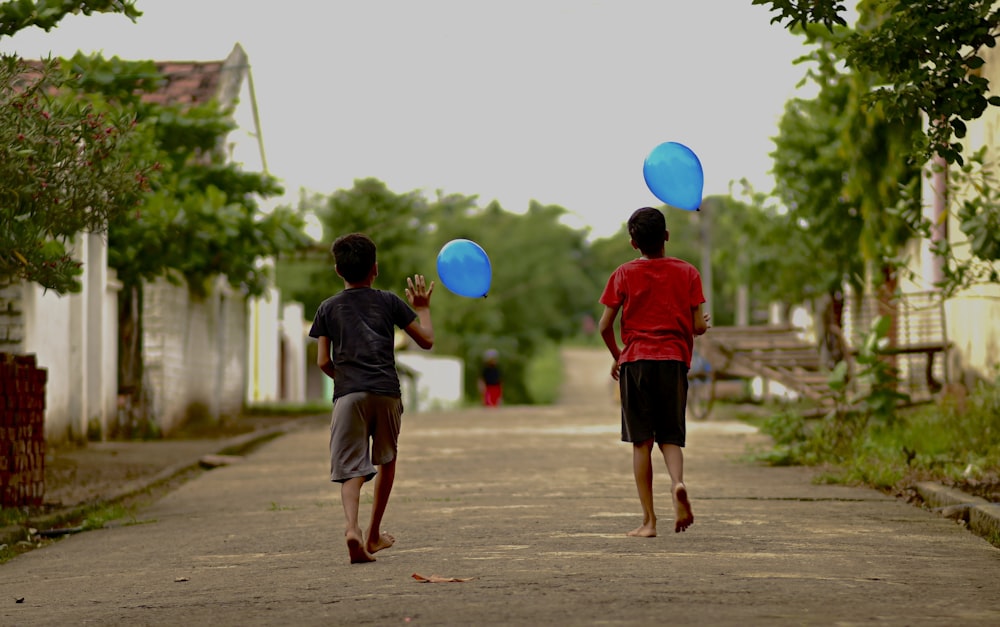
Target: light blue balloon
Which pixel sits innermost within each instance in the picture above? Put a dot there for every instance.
(673, 173)
(464, 268)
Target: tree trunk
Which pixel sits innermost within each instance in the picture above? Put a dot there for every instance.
(133, 417)
(888, 306)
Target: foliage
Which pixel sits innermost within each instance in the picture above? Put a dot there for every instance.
(399, 224)
(542, 288)
(543, 283)
(65, 167)
(840, 162)
(954, 442)
(925, 60)
(931, 59)
(201, 217)
(877, 380)
(758, 246)
(974, 201)
(805, 12)
(544, 375)
(46, 14)
(866, 400)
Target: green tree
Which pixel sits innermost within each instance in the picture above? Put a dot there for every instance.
(542, 273)
(200, 218)
(927, 60)
(399, 224)
(542, 287)
(66, 167)
(840, 163)
(46, 14)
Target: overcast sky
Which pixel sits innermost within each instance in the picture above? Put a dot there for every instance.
(558, 101)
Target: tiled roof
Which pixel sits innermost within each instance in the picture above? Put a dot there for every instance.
(192, 82)
(187, 82)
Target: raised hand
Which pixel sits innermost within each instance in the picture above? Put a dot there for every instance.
(418, 293)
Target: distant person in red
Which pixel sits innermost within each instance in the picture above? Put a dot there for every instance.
(490, 379)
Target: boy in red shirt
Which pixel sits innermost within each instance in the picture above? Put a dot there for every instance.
(660, 299)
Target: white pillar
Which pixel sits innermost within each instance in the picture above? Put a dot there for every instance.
(264, 347)
(109, 359)
(776, 314)
(97, 284)
(936, 189)
(78, 310)
(294, 338)
(742, 305)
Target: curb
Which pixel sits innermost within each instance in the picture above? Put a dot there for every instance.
(980, 516)
(231, 446)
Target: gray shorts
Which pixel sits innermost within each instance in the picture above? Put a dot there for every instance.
(360, 419)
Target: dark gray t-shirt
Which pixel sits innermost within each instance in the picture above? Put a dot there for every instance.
(361, 323)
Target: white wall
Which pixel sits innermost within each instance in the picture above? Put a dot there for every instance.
(439, 382)
(74, 337)
(293, 338)
(47, 335)
(194, 351)
(263, 348)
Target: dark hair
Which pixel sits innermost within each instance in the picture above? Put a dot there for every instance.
(646, 228)
(355, 255)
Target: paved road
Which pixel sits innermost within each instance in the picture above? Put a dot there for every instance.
(532, 505)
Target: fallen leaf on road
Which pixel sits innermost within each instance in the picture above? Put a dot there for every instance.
(181, 579)
(440, 579)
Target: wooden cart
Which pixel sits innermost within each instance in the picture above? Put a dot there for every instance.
(776, 353)
(781, 353)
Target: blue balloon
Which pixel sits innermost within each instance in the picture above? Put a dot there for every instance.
(464, 268)
(673, 173)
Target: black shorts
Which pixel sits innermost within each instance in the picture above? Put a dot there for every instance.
(654, 399)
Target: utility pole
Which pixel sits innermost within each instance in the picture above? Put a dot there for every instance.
(705, 225)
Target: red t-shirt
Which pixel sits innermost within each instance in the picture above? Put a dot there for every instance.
(657, 298)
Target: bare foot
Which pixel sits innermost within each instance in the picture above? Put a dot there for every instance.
(685, 518)
(355, 547)
(382, 541)
(645, 531)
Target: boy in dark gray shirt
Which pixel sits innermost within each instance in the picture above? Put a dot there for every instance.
(355, 330)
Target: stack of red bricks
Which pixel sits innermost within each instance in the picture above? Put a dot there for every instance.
(22, 431)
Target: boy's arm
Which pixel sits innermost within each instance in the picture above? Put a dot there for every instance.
(701, 320)
(607, 328)
(419, 295)
(323, 359)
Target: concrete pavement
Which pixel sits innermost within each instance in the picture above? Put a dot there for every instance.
(531, 504)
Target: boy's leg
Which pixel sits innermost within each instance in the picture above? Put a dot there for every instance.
(387, 413)
(642, 466)
(383, 488)
(350, 496)
(673, 456)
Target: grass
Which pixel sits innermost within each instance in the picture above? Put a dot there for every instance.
(102, 515)
(288, 409)
(543, 375)
(95, 517)
(12, 516)
(957, 443)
